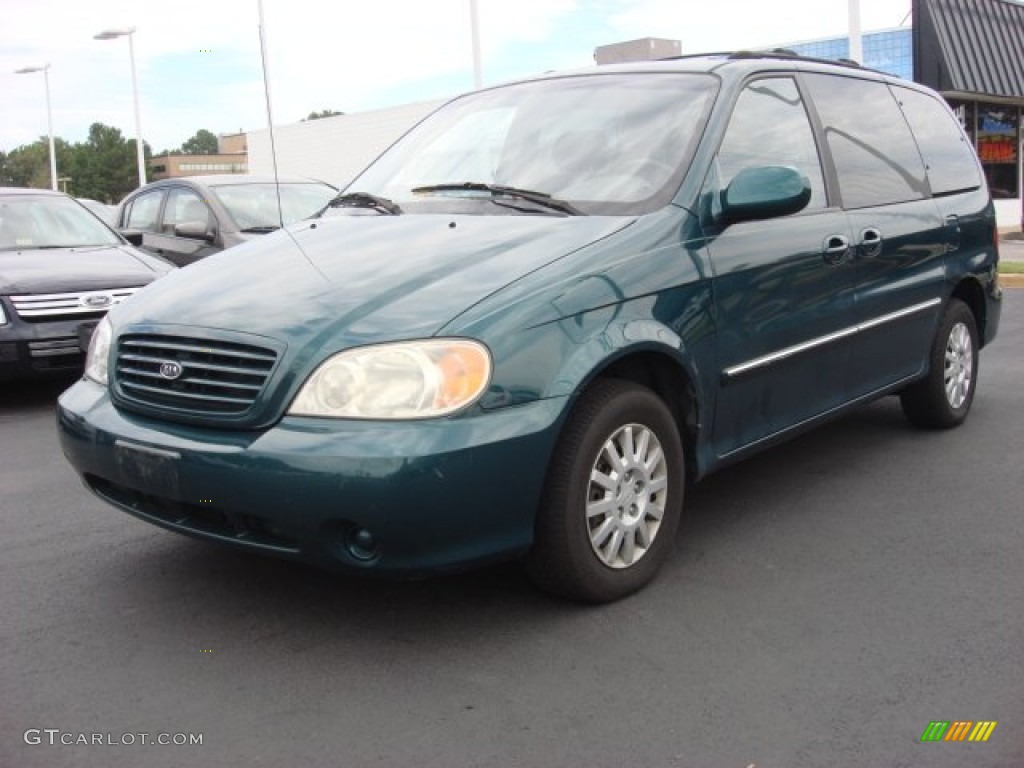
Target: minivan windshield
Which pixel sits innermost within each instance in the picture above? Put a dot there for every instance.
(602, 143)
(32, 222)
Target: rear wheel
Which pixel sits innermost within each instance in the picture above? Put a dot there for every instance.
(612, 500)
(943, 398)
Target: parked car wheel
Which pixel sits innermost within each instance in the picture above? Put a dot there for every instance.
(942, 399)
(613, 495)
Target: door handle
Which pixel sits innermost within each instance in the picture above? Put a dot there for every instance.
(836, 249)
(870, 243)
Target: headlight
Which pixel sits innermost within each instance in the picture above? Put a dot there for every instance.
(99, 352)
(407, 380)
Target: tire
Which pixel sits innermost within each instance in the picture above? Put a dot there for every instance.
(598, 541)
(943, 398)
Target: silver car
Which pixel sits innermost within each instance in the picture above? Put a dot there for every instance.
(185, 219)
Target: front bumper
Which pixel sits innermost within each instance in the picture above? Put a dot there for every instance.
(29, 350)
(430, 495)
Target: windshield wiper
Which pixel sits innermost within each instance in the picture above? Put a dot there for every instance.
(260, 230)
(361, 200)
(539, 198)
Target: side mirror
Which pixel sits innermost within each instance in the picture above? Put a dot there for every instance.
(196, 230)
(764, 193)
(133, 236)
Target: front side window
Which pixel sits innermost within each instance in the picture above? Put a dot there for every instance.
(185, 206)
(769, 126)
(615, 143)
(144, 210)
(874, 152)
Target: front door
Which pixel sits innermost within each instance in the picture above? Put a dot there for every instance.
(184, 208)
(783, 287)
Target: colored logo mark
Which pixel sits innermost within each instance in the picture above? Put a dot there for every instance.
(959, 730)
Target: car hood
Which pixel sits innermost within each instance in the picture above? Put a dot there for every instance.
(58, 270)
(361, 279)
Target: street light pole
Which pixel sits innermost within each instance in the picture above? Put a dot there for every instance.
(129, 32)
(45, 69)
(856, 40)
(474, 23)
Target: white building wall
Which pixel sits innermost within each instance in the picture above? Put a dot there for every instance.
(334, 149)
(1009, 215)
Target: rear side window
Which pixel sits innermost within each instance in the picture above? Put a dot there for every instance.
(874, 152)
(947, 153)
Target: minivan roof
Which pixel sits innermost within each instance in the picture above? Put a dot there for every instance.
(737, 63)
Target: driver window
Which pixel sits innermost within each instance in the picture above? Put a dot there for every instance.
(184, 205)
(142, 215)
(769, 126)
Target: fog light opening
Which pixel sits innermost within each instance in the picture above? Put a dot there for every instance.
(361, 544)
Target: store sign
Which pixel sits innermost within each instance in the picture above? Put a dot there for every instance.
(997, 135)
(997, 149)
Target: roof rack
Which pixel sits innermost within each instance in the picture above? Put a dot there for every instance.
(785, 53)
(776, 53)
(771, 53)
(712, 54)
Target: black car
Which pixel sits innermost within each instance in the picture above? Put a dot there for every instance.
(186, 219)
(61, 269)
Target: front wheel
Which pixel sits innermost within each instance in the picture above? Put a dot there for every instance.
(612, 500)
(942, 399)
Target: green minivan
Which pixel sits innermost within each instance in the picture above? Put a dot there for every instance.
(551, 305)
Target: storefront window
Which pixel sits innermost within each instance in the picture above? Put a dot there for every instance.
(998, 134)
(964, 111)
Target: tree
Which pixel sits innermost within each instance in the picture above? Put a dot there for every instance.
(103, 167)
(321, 113)
(29, 165)
(203, 143)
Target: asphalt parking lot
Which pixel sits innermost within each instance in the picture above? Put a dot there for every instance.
(828, 600)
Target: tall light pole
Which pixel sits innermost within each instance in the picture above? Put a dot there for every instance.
(856, 41)
(129, 32)
(474, 24)
(49, 117)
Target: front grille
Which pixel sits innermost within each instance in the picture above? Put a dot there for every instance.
(67, 306)
(58, 346)
(215, 378)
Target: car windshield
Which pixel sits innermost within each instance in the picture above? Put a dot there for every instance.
(605, 144)
(254, 206)
(30, 221)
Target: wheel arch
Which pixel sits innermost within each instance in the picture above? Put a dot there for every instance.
(970, 292)
(666, 375)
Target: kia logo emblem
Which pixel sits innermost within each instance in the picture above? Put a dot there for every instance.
(170, 370)
(97, 300)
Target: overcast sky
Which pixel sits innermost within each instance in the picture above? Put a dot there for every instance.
(198, 61)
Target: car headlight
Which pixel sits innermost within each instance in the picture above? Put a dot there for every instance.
(405, 380)
(99, 353)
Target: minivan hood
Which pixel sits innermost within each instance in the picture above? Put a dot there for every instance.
(58, 270)
(361, 279)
